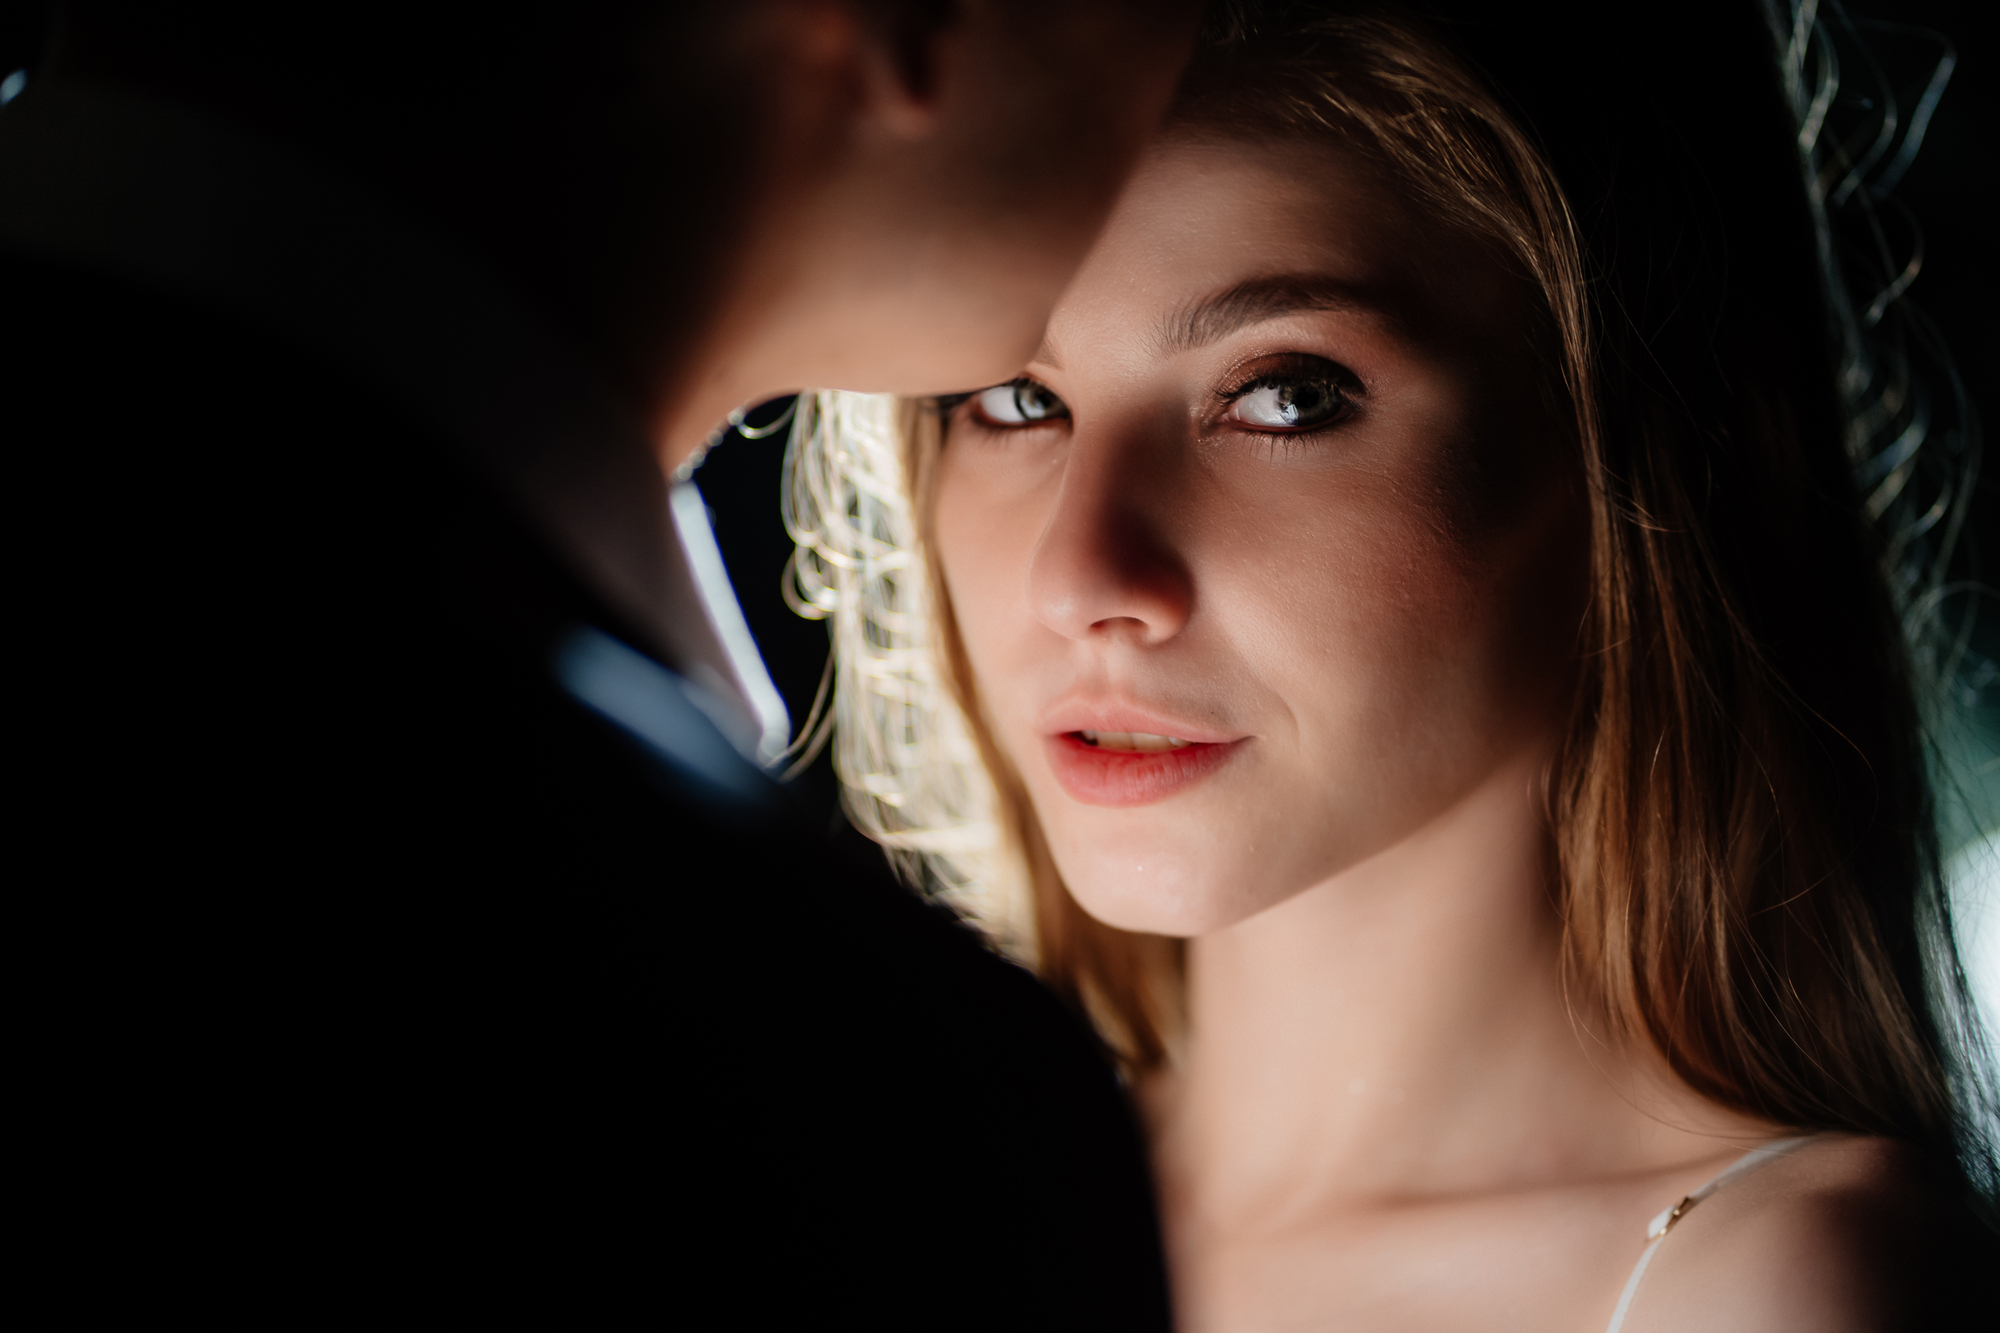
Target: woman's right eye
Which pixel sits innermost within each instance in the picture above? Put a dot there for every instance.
(1019, 403)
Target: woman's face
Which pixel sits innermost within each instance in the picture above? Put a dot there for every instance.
(1274, 554)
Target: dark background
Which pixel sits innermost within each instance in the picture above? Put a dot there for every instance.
(1950, 189)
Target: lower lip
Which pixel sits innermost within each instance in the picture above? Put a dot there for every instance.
(1097, 776)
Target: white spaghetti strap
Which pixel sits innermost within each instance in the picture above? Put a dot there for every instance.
(1657, 1230)
(1632, 1284)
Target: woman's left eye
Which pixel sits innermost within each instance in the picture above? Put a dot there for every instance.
(1287, 404)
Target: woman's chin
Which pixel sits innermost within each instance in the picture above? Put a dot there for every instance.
(1158, 895)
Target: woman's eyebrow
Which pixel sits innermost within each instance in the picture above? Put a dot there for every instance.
(1211, 318)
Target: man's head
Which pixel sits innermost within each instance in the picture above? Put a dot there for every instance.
(715, 199)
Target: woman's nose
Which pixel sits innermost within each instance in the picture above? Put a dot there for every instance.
(1106, 566)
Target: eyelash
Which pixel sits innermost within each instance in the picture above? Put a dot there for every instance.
(1296, 369)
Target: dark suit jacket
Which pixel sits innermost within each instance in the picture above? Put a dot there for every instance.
(379, 964)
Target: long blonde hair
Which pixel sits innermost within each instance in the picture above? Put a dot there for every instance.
(1741, 808)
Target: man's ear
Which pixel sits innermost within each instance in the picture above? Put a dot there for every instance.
(890, 56)
(905, 53)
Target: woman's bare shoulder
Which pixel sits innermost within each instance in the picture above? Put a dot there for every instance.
(1847, 1233)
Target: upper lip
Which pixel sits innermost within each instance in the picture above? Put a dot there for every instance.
(1118, 715)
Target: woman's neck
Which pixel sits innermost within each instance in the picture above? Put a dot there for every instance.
(1401, 1032)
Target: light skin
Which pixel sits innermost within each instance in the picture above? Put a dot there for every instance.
(917, 209)
(1307, 508)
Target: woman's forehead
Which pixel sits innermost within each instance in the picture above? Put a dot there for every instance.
(1222, 203)
(1216, 233)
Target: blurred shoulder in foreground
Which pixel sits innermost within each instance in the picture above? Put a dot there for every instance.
(415, 932)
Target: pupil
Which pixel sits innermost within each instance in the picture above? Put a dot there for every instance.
(1031, 400)
(1300, 402)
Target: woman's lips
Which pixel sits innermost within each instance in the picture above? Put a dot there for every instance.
(1131, 768)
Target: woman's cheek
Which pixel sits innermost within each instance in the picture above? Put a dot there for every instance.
(984, 544)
